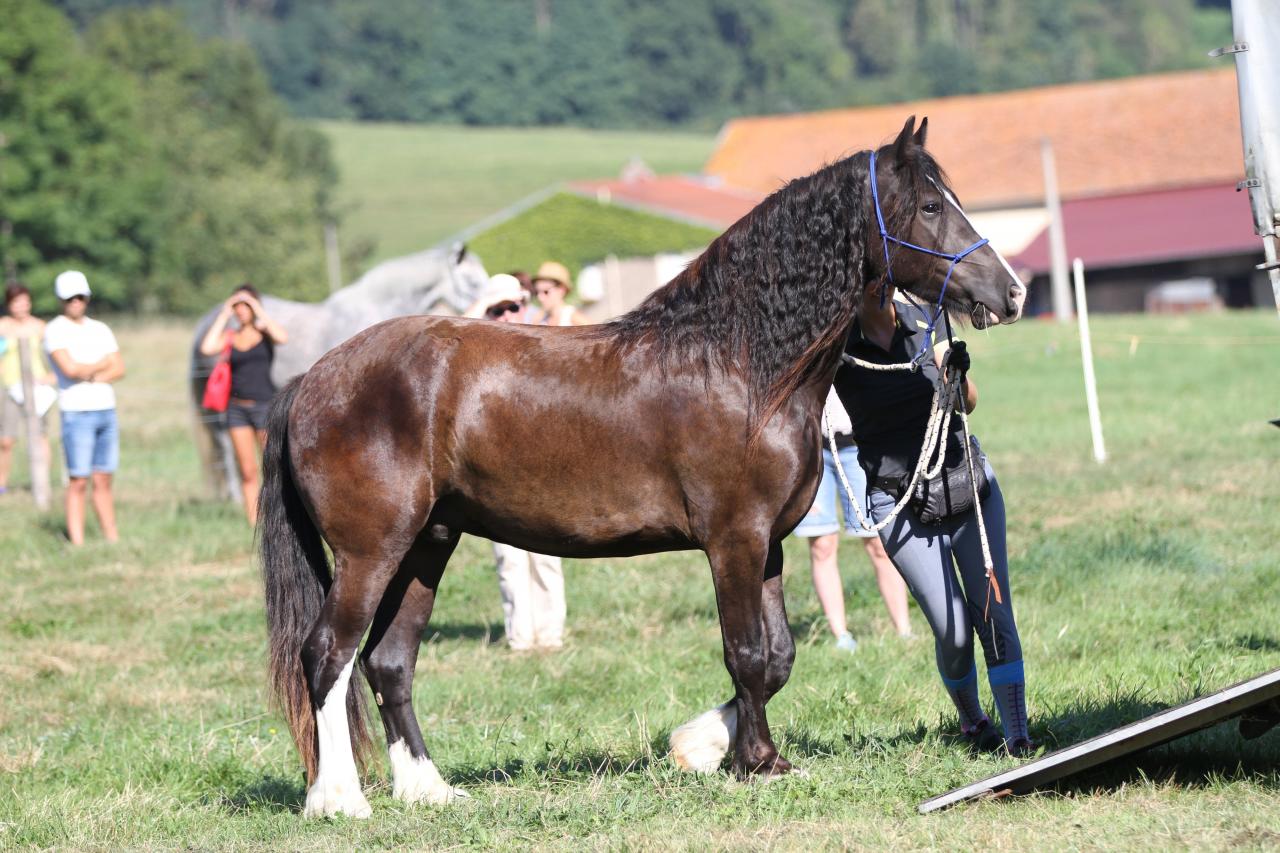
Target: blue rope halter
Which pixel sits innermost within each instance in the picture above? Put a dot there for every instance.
(886, 238)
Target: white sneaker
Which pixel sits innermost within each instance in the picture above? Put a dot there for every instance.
(846, 643)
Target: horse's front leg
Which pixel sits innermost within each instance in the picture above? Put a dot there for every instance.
(700, 745)
(738, 568)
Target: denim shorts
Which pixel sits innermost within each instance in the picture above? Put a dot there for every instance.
(822, 518)
(91, 442)
(248, 413)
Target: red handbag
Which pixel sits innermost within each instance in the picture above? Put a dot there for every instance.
(217, 389)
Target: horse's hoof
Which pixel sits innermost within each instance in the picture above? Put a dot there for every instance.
(330, 799)
(768, 770)
(437, 795)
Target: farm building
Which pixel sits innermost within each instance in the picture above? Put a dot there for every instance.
(1147, 169)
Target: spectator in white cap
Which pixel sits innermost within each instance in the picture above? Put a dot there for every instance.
(501, 299)
(86, 360)
(531, 585)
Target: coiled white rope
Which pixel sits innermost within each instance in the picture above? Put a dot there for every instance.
(947, 398)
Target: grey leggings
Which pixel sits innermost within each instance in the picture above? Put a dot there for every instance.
(924, 556)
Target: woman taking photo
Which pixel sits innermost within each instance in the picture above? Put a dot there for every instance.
(889, 411)
(250, 348)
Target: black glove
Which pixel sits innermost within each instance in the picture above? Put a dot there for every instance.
(959, 361)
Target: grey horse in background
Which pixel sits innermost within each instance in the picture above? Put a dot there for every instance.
(437, 281)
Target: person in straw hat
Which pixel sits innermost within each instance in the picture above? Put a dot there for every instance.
(551, 285)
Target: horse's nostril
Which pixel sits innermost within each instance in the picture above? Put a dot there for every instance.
(1017, 293)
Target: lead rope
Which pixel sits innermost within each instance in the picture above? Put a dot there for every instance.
(993, 584)
(947, 390)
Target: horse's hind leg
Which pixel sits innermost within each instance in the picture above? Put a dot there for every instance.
(390, 656)
(328, 657)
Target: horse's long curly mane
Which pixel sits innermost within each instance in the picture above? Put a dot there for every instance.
(774, 294)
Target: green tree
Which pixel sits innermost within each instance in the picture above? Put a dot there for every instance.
(791, 53)
(662, 62)
(77, 180)
(245, 190)
(680, 62)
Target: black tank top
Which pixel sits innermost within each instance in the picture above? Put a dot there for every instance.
(251, 371)
(889, 410)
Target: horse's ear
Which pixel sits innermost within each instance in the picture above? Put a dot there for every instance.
(904, 140)
(921, 131)
(459, 252)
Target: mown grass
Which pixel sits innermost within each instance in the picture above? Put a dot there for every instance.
(406, 187)
(132, 711)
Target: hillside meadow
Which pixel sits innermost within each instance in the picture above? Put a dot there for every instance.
(406, 187)
(133, 714)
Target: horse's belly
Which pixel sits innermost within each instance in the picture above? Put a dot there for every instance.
(574, 520)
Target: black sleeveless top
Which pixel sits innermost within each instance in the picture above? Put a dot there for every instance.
(889, 410)
(251, 371)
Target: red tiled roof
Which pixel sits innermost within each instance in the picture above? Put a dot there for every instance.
(1113, 136)
(1155, 227)
(676, 197)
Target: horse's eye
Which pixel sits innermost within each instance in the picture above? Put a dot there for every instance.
(932, 208)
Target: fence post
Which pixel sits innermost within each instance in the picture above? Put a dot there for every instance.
(37, 457)
(1059, 289)
(1086, 357)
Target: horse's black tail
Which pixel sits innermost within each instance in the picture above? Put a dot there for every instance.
(295, 573)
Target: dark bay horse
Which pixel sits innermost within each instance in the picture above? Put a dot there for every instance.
(690, 423)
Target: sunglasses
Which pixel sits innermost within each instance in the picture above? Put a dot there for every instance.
(79, 297)
(543, 291)
(493, 312)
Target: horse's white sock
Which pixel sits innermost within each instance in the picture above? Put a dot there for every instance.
(416, 780)
(337, 786)
(700, 745)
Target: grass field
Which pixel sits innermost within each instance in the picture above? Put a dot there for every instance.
(132, 710)
(406, 187)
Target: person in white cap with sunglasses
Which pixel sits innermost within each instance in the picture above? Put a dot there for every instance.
(531, 585)
(86, 360)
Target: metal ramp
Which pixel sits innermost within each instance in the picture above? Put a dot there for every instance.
(1257, 700)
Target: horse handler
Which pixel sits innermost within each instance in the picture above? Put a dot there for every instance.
(890, 410)
(822, 528)
(532, 585)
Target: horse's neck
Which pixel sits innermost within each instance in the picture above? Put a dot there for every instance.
(813, 394)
